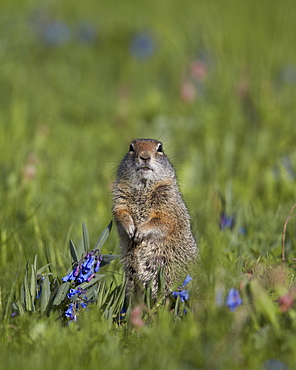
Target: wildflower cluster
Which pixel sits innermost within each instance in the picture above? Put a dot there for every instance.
(83, 271)
(181, 292)
(86, 268)
(226, 221)
(233, 299)
(79, 300)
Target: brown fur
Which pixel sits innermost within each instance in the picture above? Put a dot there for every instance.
(151, 217)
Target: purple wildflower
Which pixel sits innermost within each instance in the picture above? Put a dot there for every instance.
(73, 292)
(56, 34)
(69, 277)
(142, 46)
(85, 33)
(226, 221)
(187, 280)
(83, 304)
(183, 294)
(233, 299)
(71, 311)
(86, 268)
(84, 276)
(97, 265)
(87, 265)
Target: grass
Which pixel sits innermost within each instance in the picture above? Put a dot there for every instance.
(215, 81)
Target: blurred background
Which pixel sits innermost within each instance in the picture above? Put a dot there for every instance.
(213, 80)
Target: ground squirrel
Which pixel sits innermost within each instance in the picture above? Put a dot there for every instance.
(151, 217)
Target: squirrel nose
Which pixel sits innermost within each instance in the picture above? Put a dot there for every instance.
(145, 157)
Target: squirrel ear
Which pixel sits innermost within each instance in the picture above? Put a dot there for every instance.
(159, 149)
(131, 148)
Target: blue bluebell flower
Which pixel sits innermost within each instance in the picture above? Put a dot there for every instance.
(142, 46)
(71, 311)
(183, 294)
(273, 364)
(187, 280)
(56, 34)
(85, 276)
(87, 265)
(86, 268)
(83, 304)
(83, 271)
(226, 221)
(288, 74)
(122, 313)
(81, 301)
(85, 33)
(96, 269)
(73, 292)
(233, 299)
(69, 277)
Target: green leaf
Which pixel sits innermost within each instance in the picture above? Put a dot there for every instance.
(85, 237)
(39, 272)
(161, 285)
(35, 263)
(33, 282)
(61, 293)
(23, 294)
(10, 297)
(20, 308)
(45, 295)
(73, 252)
(28, 299)
(107, 258)
(91, 293)
(103, 237)
(100, 292)
(177, 306)
(91, 282)
(119, 295)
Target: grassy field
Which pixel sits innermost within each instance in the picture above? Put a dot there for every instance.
(215, 81)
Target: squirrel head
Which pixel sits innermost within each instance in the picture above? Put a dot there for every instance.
(146, 162)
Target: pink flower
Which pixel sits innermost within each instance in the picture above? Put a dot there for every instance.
(188, 92)
(285, 302)
(136, 319)
(198, 70)
(29, 172)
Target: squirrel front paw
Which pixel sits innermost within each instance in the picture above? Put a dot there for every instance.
(130, 230)
(140, 235)
(152, 235)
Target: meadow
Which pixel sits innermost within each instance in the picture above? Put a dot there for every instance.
(215, 81)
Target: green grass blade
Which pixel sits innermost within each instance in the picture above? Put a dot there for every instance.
(85, 235)
(10, 296)
(103, 237)
(177, 306)
(28, 298)
(33, 283)
(40, 271)
(91, 282)
(20, 308)
(73, 252)
(35, 263)
(45, 295)
(61, 293)
(107, 258)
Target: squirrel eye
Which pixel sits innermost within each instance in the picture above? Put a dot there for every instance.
(159, 149)
(131, 148)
